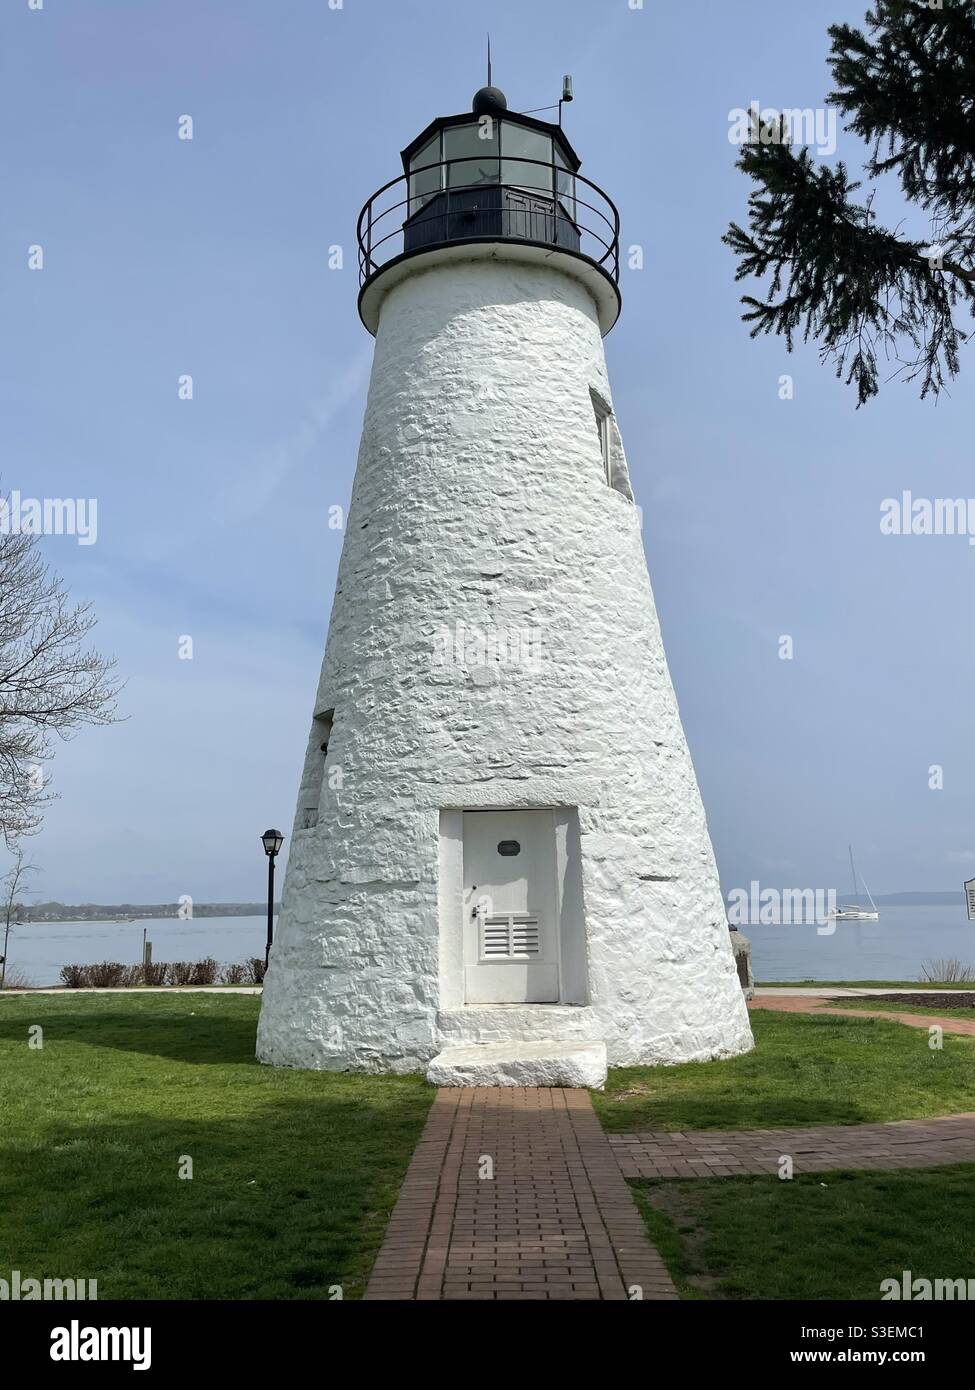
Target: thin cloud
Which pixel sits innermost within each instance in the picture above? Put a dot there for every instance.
(266, 476)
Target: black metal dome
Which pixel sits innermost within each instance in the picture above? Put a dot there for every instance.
(489, 101)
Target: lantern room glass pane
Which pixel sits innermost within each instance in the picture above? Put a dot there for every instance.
(565, 185)
(476, 145)
(424, 185)
(518, 140)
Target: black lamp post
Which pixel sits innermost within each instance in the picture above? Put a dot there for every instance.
(272, 841)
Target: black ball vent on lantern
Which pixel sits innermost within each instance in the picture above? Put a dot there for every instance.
(489, 101)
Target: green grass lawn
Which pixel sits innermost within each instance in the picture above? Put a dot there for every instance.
(895, 1007)
(294, 1173)
(827, 1236)
(805, 1070)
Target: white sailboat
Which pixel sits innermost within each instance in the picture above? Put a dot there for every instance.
(853, 912)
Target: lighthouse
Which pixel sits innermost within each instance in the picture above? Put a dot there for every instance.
(500, 869)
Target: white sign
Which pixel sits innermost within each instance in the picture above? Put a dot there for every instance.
(970, 895)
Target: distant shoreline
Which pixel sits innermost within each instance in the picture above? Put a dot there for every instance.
(132, 921)
(930, 899)
(131, 914)
(77, 915)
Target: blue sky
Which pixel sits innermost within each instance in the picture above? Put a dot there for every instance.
(165, 256)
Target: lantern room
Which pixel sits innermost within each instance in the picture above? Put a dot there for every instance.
(483, 179)
(492, 173)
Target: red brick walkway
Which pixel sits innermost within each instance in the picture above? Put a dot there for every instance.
(556, 1220)
(795, 1004)
(714, 1153)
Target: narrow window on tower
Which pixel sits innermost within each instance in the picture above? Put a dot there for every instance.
(313, 782)
(602, 416)
(323, 725)
(614, 469)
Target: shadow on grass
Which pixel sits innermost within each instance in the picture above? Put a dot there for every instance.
(293, 1173)
(181, 1029)
(287, 1203)
(735, 1113)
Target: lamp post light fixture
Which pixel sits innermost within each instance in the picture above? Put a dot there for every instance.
(272, 841)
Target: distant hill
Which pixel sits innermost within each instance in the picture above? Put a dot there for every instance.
(121, 912)
(921, 899)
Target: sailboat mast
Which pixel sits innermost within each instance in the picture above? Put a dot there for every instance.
(853, 869)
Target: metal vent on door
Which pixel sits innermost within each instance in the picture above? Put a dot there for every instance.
(509, 936)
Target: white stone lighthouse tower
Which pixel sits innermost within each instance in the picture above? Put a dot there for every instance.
(500, 868)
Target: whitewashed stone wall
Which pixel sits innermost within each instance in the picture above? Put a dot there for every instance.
(480, 497)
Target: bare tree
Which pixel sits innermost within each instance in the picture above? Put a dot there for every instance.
(13, 883)
(50, 683)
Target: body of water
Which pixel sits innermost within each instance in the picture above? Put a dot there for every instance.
(39, 949)
(895, 948)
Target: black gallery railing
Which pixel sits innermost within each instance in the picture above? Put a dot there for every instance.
(550, 212)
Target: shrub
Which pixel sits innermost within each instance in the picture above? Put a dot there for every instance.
(15, 978)
(109, 974)
(946, 972)
(112, 974)
(204, 972)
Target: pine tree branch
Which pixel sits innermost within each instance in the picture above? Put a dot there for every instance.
(836, 277)
(907, 83)
(909, 86)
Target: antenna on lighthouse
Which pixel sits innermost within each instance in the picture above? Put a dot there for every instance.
(563, 99)
(566, 93)
(489, 101)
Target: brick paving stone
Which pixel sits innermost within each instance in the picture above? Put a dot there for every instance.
(556, 1221)
(818, 1149)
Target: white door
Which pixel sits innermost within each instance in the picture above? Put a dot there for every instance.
(510, 929)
